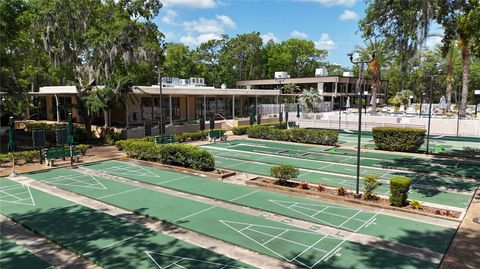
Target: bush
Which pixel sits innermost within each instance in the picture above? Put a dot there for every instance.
(398, 139)
(186, 156)
(471, 152)
(28, 156)
(240, 130)
(82, 148)
(142, 150)
(310, 136)
(79, 133)
(341, 191)
(321, 188)
(416, 204)
(283, 173)
(110, 137)
(304, 185)
(399, 187)
(370, 183)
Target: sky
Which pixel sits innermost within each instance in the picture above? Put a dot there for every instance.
(331, 24)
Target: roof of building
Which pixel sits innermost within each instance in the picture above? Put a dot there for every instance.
(305, 80)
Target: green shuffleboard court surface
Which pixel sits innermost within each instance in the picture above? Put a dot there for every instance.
(347, 218)
(13, 256)
(348, 156)
(303, 247)
(317, 177)
(105, 240)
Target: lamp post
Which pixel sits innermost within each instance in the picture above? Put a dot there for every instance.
(421, 104)
(360, 98)
(280, 110)
(161, 129)
(477, 94)
(430, 111)
(365, 93)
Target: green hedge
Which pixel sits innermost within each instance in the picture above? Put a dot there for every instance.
(192, 136)
(28, 156)
(399, 187)
(310, 136)
(241, 130)
(398, 139)
(173, 154)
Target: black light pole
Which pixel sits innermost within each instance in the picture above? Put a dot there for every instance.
(458, 112)
(477, 94)
(429, 112)
(360, 98)
(421, 104)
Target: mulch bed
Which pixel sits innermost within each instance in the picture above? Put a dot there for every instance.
(349, 196)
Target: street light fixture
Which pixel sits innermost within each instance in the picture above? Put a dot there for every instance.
(360, 98)
(161, 128)
(366, 99)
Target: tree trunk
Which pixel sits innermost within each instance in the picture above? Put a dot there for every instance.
(465, 78)
(449, 95)
(105, 117)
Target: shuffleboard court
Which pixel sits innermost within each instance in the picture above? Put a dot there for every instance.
(317, 177)
(13, 256)
(303, 247)
(348, 218)
(105, 240)
(347, 156)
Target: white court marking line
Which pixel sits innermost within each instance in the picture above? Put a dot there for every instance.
(273, 251)
(56, 180)
(347, 238)
(31, 201)
(415, 183)
(196, 213)
(175, 179)
(149, 253)
(352, 217)
(248, 194)
(273, 238)
(116, 243)
(307, 249)
(119, 193)
(298, 205)
(126, 169)
(131, 165)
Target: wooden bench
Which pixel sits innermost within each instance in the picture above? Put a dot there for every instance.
(213, 135)
(61, 152)
(164, 139)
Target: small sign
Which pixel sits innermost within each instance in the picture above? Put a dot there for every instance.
(38, 137)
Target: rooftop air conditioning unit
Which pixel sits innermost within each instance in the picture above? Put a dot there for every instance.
(223, 86)
(183, 82)
(321, 72)
(348, 74)
(281, 75)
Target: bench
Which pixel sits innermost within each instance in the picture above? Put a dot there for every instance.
(213, 135)
(61, 152)
(291, 124)
(164, 139)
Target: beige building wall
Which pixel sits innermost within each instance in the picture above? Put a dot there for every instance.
(191, 107)
(50, 103)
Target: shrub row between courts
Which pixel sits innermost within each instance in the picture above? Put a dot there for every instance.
(172, 154)
(241, 130)
(398, 139)
(299, 135)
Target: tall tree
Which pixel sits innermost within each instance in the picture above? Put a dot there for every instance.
(208, 54)
(404, 25)
(178, 61)
(460, 20)
(99, 41)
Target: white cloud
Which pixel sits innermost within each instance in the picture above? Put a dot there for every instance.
(197, 40)
(169, 18)
(298, 34)
(202, 4)
(331, 3)
(204, 26)
(325, 42)
(348, 15)
(269, 36)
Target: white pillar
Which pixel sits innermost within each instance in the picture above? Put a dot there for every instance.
(58, 109)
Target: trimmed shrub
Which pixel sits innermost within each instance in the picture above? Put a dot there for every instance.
(398, 139)
(370, 183)
(310, 136)
(341, 191)
(82, 148)
(186, 156)
(240, 130)
(399, 187)
(416, 205)
(142, 150)
(284, 173)
(28, 156)
(110, 137)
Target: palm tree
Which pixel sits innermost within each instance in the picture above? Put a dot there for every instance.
(310, 98)
(464, 44)
(451, 58)
(374, 67)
